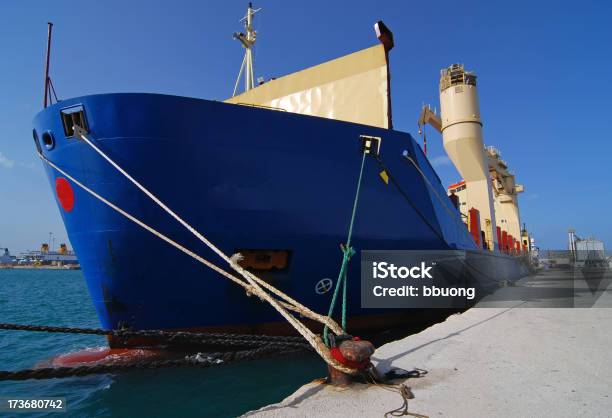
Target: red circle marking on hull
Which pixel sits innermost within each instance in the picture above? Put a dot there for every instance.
(65, 194)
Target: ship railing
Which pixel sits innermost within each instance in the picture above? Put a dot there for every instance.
(493, 150)
(262, 106)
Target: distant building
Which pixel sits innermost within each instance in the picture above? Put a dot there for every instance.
(590, 249)
(6, 257)
(587, 251)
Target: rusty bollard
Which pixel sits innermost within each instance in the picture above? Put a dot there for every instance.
(354, 353)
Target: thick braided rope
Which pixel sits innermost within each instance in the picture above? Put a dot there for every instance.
(316, 342)
(253, 280)
(248, 288)
(301, 308)
(251, 287)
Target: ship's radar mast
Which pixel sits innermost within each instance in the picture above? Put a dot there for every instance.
(247, 40)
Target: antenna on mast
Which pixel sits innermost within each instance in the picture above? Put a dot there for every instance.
(49, 89)
(247, 40)
(48, 57)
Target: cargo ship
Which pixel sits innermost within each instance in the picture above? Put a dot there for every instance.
(47, 256)
(270, 173)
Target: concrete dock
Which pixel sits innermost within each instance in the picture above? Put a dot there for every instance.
(543, 350)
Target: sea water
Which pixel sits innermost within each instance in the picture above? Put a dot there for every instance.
(60, 298)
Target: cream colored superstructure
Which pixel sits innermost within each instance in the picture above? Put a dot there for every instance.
(353, 88)
(488, 185)
(505, 192)
(462, 136)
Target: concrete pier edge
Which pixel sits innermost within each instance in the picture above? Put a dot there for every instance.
(519, 360)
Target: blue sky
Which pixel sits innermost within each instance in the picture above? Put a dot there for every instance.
(543, 72)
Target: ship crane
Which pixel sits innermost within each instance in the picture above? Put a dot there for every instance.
(430, 117)
(492, 188)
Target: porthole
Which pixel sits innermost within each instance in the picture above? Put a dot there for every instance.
(48, 140)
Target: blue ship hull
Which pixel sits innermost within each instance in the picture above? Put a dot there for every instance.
(245, 177)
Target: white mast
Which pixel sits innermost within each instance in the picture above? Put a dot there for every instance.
(247, 42)
(572, 243)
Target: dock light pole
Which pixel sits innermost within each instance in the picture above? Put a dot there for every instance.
(572, 243)
(50, 28)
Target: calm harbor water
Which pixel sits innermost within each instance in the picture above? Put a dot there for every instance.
(56, 297)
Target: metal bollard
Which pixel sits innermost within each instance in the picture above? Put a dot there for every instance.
(354, 353)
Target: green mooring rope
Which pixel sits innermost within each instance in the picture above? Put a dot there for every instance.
(348, 252)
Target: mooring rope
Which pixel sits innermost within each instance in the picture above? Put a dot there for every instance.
(451, 213)
(404, 391)
(347, 253)
(444, 202)
(200, 338)
(255, 283)
(418, 211)
(232, 261)
(249, 289)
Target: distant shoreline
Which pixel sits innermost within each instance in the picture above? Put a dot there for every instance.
(43, 267)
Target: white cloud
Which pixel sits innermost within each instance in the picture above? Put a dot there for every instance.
(5, 162)
(440, 160)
